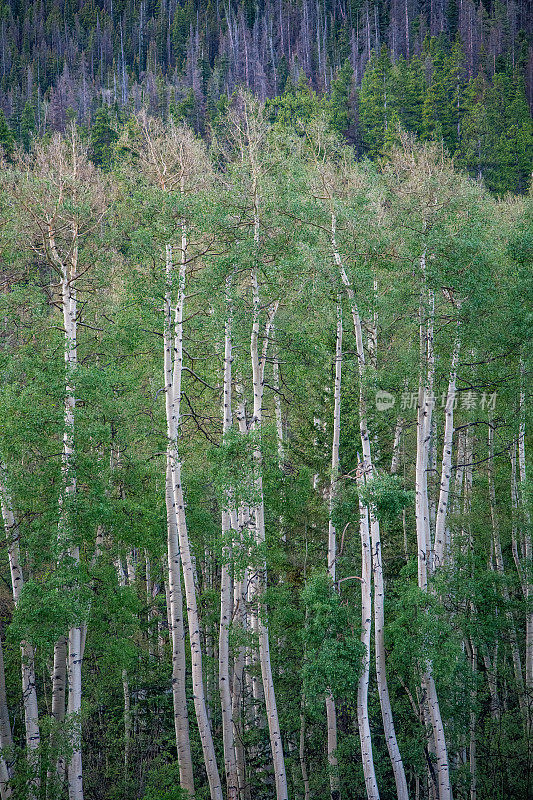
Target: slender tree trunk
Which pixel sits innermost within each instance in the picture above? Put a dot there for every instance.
(363, 721)
(6, 740)
(331, 715)
(472, 754)
(239, 619)
(174, 596)
(173, 369)
(527, 543)
(123, 579)
(440, 554)
(29, 692)
(177, 639)
(395, 461)
(59, 693)
(425, 411)
(500, 568)
(75, 777)
(379, 586)
(74, 662)
(301, 752)
(229, 524)
(258, 368)
(259, 514)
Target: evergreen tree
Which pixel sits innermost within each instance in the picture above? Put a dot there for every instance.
(441, 111)
(7, 139)
(340, 105)
(102, 139)
(27, 126)
(409, 91)
(376, 103)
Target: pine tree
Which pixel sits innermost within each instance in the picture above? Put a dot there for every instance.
(340, 105)
(27, 126)
(375, 106)
(102, 139)
(7, 140)
(442, 100)
(409, 90)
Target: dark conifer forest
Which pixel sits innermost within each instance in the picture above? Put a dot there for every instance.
(454, 70)
(266, 293)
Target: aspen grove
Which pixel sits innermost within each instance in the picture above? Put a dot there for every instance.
(265, 425)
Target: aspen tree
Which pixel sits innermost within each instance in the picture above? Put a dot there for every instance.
(424, 417)
(332, 551)
(176, 162)
(331, 183)
(365, 735)
(500, 568)
(63, 202)
(527, 544)
(6, 740)
(439, 550)
(248, 130)
(240, 618)
(377, 566)
(29, 692)
(429, 206)
(229, 524)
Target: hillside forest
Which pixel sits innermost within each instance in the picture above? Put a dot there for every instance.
(265, 424)
(452, 70)
(266, 280)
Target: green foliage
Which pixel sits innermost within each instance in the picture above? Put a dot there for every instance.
(162, 781)
(50, 606)
(7, 139)
(333, 650)
(103, 139)
(386, 496)
(340, 105)
(27, 126)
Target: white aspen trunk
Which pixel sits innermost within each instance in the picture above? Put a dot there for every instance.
(152, 614)
(75, 777)
(174, 594)
(517, 549)
(29, 692)
(331, 714)
(6, 740)
(258, 368)
(99, 540)
(59, 679)
(457, 484)
(69, 308)
(440, 552)
(432, 493)
(430, 423)
(472, 759)
(239, 616)
(177, 640)
(131, 566)
(121, 576)
(363, 721)
(500, 568)
(301, 753)
(379, 586)
(173, 397)
(279, 429)
(423, 431)
(247, 617)
(468, 483)
(395, 461)
(229, 523)
(527, 546)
